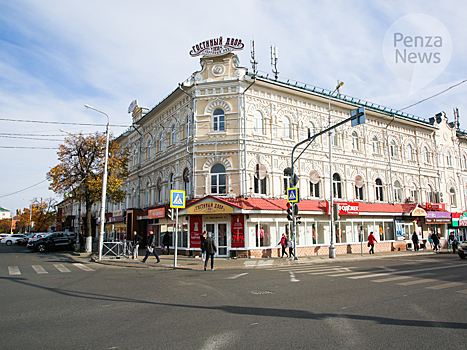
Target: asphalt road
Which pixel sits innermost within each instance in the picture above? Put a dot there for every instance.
(50, 302)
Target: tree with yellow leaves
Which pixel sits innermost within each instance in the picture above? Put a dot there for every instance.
(81, 169)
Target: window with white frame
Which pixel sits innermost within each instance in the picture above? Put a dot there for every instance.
(410, 154)
(359, 185)
(355, 143)
(452, 197)
(286, 129)
(260, 179)
(397, 191)
(171, 182)
(334, 138)
(375, 143)
(336, 186)
(311, 129)
(314, 184)
(149, 149)
(258, 122)
(426, 154)
(448, 159)
(379, 190)
(393, 147)
(161, 142)
(218, 120)
(159, 191)
(414, 193)
(218, 180)
(188, 127)
(186, 181)
(173, 135)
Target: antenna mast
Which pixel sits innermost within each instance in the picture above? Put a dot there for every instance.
(456, 118)
(253, 61)
(274, 59)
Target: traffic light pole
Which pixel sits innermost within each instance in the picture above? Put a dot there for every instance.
(310, 140)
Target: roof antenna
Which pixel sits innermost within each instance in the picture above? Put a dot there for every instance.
(253, 61)
(456, 118)
(274, 59)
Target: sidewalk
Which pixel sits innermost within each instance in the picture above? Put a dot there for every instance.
(192, 263)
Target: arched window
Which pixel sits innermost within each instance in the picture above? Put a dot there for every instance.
(135, 158)
(355, 145)
(218, 120)
(414, 193)
(375, 144)
(159, 190)
(161, 142)
(448, 159)
(410, 155)
(397, 191)
(426, 154)
(260, 179)
(314, 184)
(311, 129)
(286, 132)
(334, 138)
(258, 122)
(148, 195)
(186, 181)
(464, 162)
(337, 186)
(188, 127)
(173, 135)
(359, 187)
(171, 182)
(218, 179)
(452, 197)
(393, 149)
(379, 190)
(149, 149)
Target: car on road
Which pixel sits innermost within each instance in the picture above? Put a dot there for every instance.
(462, 250)
(3, 235)
(12, 238)
(53, 241)
(32, 236)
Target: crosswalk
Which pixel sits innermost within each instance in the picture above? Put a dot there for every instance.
(53, 268)
(401, 278)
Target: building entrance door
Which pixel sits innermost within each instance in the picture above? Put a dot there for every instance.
(219, 231)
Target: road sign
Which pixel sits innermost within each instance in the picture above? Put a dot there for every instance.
(292, 195)
(358, 116)
(177, 199)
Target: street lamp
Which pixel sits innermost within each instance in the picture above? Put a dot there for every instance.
(104, 183)
(332, 249)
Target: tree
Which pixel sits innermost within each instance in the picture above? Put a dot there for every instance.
(80, 173)
(40, 215)
(5, 225)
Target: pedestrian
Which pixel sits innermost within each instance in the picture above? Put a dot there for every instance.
(435, 240)
(290, 245)
(431, 241)
(166, 242)
(453, 242)
(415, 241)
(151, 247)
(371, 243)
(211, 249)
(283, 242)
(204, 236)
(135, 240)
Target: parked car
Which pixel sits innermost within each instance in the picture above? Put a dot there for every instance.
(32, 236)
(462, 250)
(3, 235)
(12, 238)
(52, 241)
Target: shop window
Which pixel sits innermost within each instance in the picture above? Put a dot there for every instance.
(218, 179)
(260, 179)
(263, 235)
(379, 190)
(218, 120)
(337, 186)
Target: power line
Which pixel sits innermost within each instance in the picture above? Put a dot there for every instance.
(29, 138)
(25, 147)
(60, 123)
(24, 189)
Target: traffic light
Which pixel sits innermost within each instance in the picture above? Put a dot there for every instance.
(289, 212)
(170, 213)
(295, 209)
(298, 220)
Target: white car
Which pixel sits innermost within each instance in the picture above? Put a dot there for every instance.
(12, 238)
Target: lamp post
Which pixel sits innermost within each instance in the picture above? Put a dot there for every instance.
(104, 183)
(332, 249)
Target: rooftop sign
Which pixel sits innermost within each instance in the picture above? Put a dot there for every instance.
(216, 47)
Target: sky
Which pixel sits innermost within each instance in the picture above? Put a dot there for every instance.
(56, 56)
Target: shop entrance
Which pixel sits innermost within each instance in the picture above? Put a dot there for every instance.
(219, 231)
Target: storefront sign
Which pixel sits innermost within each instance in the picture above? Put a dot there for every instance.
(196, 224)
(438, 217)
(156, 213)
(117, 213)
(348, 208)
(238, 231)
(216, 47)
(215, 217)
(459, 219)
(436, 206)
(418, 212)
(209, 208)
(115, 219)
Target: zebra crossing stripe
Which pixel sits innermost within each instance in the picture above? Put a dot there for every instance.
(14, 270)
(370, 276)
(347, 274)
(446, 285)
(462, 291)
(61, 268)
(83, 267)
(411, 283)
(390, 279)
(39, 269)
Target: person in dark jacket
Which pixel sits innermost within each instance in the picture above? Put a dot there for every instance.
(435, 239)
(166, 242)
(204, 236)
(211, 249)
(415, 241)
(151, 247)
(135, 240)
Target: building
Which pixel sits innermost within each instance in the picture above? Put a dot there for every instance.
(5, 213)
(225, 136)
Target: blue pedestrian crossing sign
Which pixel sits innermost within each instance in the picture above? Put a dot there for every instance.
(177, 199)
(292, 195)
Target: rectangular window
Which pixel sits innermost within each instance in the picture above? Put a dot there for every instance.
(218, 123)
(359, 193)
(314, 190)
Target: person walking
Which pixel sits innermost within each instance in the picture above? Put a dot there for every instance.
(453, 242)
(135, 240)
(283, 242)
(290, 245)
(211, 249)
(204, 236)
(151, 247)
(371, 243)
(415, 241)
(166, 242)
(435, 239)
